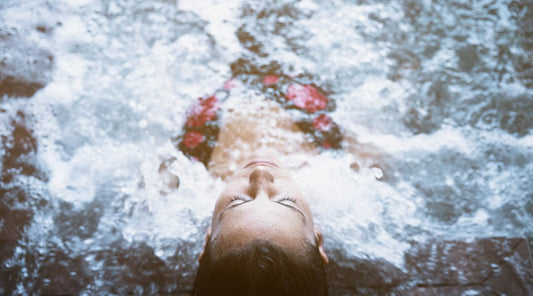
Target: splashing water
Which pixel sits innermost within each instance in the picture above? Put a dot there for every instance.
(441, 91)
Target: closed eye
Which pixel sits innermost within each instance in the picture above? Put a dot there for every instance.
(290, 202)
(287, 199)
(236, 200)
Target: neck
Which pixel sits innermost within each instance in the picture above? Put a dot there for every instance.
(259, 126)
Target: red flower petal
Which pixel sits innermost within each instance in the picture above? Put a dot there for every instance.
(203, 112)
(192, 139)
(322, 123)
(230, 84)
(270, 79)
(306, 97)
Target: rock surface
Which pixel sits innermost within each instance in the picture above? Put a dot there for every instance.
(25, 67)
(489, 266)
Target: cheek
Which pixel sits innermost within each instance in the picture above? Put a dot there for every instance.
(237, 184)
(220, 204)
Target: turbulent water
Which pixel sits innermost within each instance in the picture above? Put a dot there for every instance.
(93, 91)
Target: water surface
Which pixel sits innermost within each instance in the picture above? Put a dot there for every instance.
(93, 91)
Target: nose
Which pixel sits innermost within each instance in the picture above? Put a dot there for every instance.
(260, 181)
(260, 176)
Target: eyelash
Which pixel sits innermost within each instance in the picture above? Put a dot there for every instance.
(234, 198)
(287, 197)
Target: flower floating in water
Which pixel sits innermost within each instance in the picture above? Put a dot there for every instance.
(203, 112)
(322, 123)
(270, 79)
(230, 84)
(306, 97)
(193, 139)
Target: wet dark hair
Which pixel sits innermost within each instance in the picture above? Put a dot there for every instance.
(262, 268)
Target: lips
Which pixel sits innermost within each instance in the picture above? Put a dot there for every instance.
(261, 162)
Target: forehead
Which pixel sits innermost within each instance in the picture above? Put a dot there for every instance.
(239, 226)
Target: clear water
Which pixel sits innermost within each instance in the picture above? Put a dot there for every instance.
(440, 90)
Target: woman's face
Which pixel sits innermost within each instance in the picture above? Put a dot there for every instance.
(262, 201)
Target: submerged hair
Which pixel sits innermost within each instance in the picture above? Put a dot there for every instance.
(260, 269)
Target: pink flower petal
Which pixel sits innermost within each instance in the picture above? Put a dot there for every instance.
(322, 123)
(306, 97)
(203, 112)
(193, 139)
(270, 79)
(230, 84)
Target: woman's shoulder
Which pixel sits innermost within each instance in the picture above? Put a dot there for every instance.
(285, 113)
(261, 124)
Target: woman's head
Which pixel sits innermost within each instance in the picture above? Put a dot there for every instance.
(261, 269)
(262, 222)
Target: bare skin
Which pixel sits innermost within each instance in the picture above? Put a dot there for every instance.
(262, 201)
(253, 128)
(268, 127)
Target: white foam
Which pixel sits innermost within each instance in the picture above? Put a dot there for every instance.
(125, 73)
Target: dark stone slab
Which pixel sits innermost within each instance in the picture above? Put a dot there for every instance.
(488, 266)
(514, 276)
(456, 262)
(19, 147)
(447, 291)
(363, 272)
(25, 67)
(17, 202)
(349, 275)
(16, 87)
